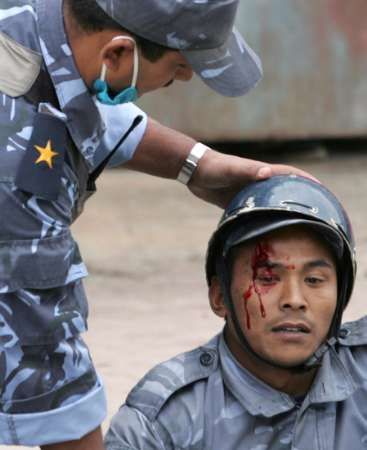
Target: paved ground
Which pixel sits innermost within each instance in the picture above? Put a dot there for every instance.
(144, 241)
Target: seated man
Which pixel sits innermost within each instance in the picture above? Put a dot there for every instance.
(283, 374)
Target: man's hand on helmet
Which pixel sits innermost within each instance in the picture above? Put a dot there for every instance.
(219, 177)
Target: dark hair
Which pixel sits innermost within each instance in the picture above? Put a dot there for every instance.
(91, 18)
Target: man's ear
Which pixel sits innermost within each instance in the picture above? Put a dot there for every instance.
(216, 298)
(116, 52)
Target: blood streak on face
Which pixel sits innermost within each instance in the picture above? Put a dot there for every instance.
(259, 259)
(246, 297)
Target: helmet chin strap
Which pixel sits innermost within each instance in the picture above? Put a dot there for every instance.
(314, 361)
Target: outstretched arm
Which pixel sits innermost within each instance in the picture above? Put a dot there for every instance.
(217, 178)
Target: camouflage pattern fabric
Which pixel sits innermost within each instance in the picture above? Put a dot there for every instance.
(37, 248)
(49, 389)
(204, 399)
(38, 361)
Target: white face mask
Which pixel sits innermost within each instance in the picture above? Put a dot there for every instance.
(127, 95)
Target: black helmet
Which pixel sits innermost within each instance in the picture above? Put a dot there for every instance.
(276, 203)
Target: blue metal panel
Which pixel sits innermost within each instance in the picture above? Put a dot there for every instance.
(315, 65)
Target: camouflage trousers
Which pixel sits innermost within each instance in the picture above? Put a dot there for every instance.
(49, 390)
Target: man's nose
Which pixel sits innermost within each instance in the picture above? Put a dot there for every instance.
(292, 296)
(184, 73)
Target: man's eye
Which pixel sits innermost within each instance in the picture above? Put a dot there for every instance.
(314, 280)
(267, 279)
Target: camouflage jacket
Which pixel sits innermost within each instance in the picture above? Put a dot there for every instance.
(204, 400)
(37, 250)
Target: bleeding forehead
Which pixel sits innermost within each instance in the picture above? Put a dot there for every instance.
(295, 243)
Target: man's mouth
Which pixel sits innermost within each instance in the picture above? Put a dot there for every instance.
(291, 328)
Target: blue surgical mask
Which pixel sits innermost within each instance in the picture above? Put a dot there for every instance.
(127, 95)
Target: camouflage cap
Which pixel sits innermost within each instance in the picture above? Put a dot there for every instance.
(202, 30)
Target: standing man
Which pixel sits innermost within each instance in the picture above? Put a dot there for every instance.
(70, 70)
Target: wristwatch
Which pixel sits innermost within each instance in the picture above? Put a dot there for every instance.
(191, 163)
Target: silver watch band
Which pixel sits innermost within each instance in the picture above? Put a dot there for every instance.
(191, 163)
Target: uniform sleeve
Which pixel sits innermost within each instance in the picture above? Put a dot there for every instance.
(131, 430)
(117, 120)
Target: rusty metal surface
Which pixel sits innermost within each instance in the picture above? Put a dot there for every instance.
(314, 55)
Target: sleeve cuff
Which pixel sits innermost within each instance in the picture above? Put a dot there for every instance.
(118, 119)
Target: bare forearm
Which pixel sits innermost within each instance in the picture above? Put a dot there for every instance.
(218, 177)
(161, 152)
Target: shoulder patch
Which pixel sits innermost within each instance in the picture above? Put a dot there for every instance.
(20, 67)
(165, 379)
(353, 333)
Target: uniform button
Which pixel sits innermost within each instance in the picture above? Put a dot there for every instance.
(206, 359)
(343, 333)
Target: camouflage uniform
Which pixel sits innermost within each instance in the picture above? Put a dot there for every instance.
(204, 399)
(49, 388)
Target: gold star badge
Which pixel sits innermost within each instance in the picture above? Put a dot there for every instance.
(46, 154)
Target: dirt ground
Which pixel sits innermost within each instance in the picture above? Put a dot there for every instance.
(144, 241)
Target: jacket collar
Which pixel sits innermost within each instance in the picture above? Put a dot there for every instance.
(332, 383)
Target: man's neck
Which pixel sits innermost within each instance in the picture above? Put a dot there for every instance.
(84, 46)
(291, 382)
